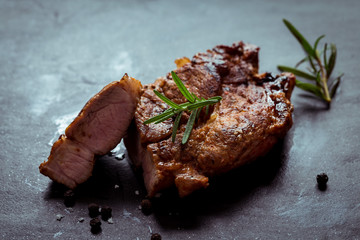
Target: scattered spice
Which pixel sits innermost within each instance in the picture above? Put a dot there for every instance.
(110, 221)
(120, 156)
(95, 224)
(69, 198)
(146, 206)
(322, 180)
(106, 213)
(93, 210)
(155, 236)
(69, 210)
(59, 217)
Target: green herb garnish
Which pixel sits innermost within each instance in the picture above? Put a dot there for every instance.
(318, 71)
(194, 105)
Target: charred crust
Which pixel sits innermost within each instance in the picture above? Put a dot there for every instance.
(235, 49)
(260, 79)
(253, 111)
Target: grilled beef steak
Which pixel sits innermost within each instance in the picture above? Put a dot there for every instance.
(254, 113)
(97, 129)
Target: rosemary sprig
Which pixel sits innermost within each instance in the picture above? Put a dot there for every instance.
(318, 71)
(194, 105)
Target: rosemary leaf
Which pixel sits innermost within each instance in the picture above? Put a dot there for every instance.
(166, 113)
(203, 103)
(325, 59)
(207, 110)
(189, 126)
(332, 60)
(198, 114)
(185, 105)
(182, 88)
(165, 117)
(310, 88)
(166, 100)
(297, 72)
(196, 98)
(303, 42)
(218, 98)
(318, 79)
(335, 86)
(317, 41)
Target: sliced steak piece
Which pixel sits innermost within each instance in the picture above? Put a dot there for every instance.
(69, 163)
(254, 113)
(97, 129)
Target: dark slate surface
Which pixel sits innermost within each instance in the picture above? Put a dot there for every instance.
(56, 55)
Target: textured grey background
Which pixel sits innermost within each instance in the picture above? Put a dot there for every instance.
(54, 55)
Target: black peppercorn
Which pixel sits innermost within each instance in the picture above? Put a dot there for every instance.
(146, 206)
(95, 224)
(322, 180)
(155, 236)
(106, 213)
(93, 210)
(69, 198)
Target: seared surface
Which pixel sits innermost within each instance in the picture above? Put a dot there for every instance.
(254, 113)
(202, 76)
(97, 129)
(197, 78)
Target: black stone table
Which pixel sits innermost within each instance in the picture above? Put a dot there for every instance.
(54, 55)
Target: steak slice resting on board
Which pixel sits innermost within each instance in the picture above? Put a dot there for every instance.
(97, 129)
